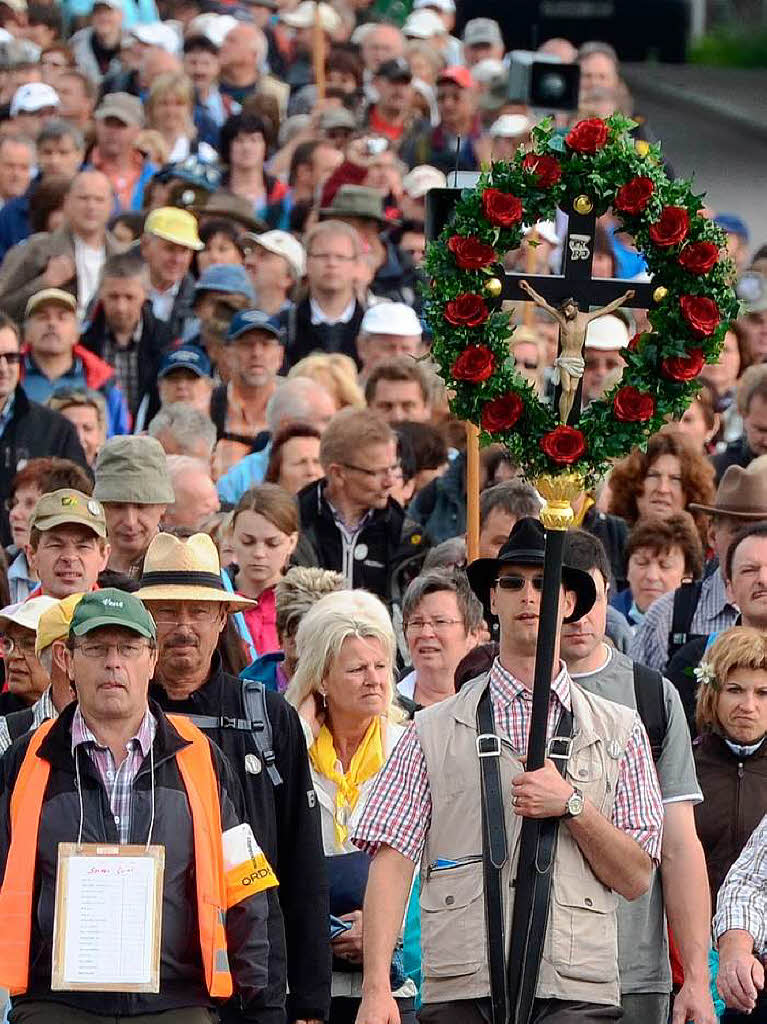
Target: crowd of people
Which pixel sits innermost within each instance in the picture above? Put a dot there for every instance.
(237, 617)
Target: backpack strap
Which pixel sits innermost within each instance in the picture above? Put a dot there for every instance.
(686, 600)
(19, 722)
(651, 706)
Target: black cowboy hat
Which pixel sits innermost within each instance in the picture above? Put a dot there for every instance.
(527, 546)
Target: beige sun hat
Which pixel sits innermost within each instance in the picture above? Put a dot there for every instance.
(185, 570)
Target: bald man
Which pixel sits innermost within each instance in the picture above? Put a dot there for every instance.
(242, 56)
(70, 258)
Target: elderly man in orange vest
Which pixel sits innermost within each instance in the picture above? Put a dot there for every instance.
(119, 786)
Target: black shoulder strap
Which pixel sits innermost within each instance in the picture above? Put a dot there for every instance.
(494, 852)
(686, 600)
(651, 706)
(19, 722)
(218, 409)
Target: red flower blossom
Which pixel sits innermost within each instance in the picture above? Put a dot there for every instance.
(699, 257)
(588, 136)
(502, 413)
(683, 367)
(502, 209)
(701, 314)
(467, 310)
(634, 196)
(544, 170)
(633, 406)
(564, 445)
(470, 253)
(476, 363)
(671, 228)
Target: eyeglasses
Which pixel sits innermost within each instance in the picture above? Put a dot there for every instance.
(197, 616)
(373, 473)
(438, 625)
(328, 256)
(12, 358)
(128, 649)
(518, 582)
(9, 647)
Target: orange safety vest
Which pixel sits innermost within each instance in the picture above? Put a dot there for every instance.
(196, 766)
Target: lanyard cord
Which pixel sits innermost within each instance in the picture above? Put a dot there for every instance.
(80, 796)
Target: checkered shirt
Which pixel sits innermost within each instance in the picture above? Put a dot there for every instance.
(712, 614)
(116, 779)
(742, 900)
(125, 364)
(42, 710)
(398, 812)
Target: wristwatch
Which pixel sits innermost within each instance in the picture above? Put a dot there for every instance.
(574, 805)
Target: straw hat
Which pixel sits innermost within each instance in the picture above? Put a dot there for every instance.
(185, 570)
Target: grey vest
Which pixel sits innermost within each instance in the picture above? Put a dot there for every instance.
(580, 954)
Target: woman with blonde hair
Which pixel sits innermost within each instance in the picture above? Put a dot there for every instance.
(336, 372)
(731, 752)
(343, 688)
(170, 111)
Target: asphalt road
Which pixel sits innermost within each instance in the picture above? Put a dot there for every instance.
(725, 162)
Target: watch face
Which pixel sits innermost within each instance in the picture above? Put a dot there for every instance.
(575, 803)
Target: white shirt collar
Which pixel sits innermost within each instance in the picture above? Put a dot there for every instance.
(319, 317)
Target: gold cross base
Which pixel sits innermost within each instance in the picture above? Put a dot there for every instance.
(558, 492)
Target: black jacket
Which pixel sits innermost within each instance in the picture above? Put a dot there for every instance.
(388, 551)
(737, 453)
(613, 532)
(182, 982)
(289, 833)
(156, 338)
(302, 337)
(32, 432)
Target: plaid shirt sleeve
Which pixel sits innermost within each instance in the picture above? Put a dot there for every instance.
(398, 810)
(650, 643)
(742, 901)
(638, 807)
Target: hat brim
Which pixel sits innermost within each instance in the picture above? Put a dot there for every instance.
(102, 115)
(483, 573)
(735, 513)
(327, 212)
(170, 237)
(51, 522)
(251, 223)
(179, 592)
(162, 374)
(111, 620)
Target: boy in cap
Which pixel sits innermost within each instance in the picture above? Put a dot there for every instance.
(68, 545)
(132, 481)
(52, 630)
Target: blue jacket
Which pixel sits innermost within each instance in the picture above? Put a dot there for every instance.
(264, 670)
(14, 222)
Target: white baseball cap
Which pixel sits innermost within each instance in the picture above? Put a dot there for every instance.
(282, 244)
(607, 333)
(446, 6)
(423, 25)
(158, 33)
(214, 27)
(421, 179)
(510, 126)
(391, 318)
(305, 16)
(26, 613)
(487, 70)
(32, 97)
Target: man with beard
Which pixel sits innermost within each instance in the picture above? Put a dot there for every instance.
(182, 588)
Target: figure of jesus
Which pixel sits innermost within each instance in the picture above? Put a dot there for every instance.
(569, 364)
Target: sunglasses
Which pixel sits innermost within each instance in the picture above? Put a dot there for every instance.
(518, 582)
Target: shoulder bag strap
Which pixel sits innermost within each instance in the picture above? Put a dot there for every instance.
(651, 706)
(494, 853)
(686, 600)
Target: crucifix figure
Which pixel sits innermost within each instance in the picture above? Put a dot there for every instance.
(573, 324)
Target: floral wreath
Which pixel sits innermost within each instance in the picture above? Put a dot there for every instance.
(596, 166)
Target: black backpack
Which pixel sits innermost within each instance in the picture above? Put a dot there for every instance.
(651, 706)
(686, 600)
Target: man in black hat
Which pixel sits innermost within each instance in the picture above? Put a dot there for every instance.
(424, 808)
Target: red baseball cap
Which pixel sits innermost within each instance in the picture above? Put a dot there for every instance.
(458, 75)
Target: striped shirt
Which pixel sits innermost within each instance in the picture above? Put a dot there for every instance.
(42, 710)
(116, 779)
(742, 901)
(398, 812)
(712, 614)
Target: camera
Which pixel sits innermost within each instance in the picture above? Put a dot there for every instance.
(542, 81)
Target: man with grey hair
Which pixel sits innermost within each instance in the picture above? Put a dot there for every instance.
(442, 619)
(196, 498)
(183, 430)
(17, 158)
(296, 400)
(752, 406)
(499, 509)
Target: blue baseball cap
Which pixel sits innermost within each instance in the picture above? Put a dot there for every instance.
(185, 357)
(226, 277)
(254, 320)
(733, 225)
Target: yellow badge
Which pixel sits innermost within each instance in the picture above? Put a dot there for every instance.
(67, 501)
(416, 538)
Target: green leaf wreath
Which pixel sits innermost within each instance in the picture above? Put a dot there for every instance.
(685, 254)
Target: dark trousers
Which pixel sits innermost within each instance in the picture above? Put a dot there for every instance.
(645, 1008)
(344, 1011)
(56, 1013)
(545, 1011)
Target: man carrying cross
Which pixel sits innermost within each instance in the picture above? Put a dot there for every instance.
(426, 807)
(573, 324)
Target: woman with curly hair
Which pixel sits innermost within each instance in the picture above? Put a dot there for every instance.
(336, 372)
(667, 478)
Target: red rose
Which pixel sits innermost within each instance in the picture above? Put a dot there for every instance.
(632, 406)
(470, 253)
(468, 310)
(588, 136)
(701, 314)
(683, 367)
(564, 445)
(475, 363)
(699, 257)
(501, 208)
(634, 196)
(633, 345)
(672, 227)
(502, 413)
(545, 170)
